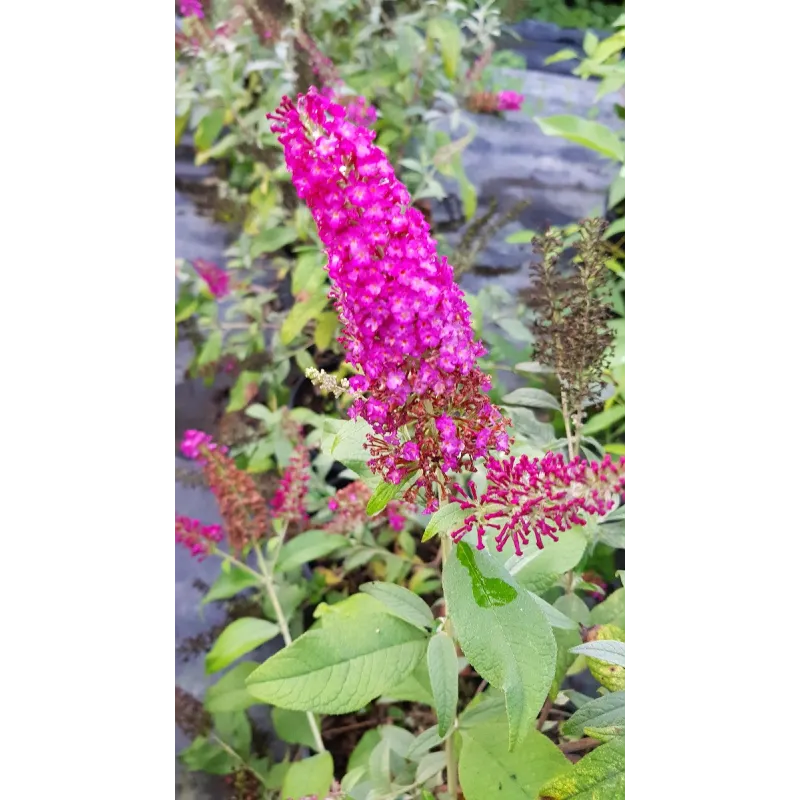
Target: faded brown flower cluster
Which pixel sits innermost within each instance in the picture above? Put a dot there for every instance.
(572, 311)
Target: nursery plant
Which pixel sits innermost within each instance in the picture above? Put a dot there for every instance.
(437, 562)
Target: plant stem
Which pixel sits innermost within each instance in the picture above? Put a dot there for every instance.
(269, 585)
(449, 745)
(265, 578)
(581, 744)
(567, 425)
(239, 760)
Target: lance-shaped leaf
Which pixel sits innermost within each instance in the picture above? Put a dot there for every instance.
(358, 652)
(600, 775)
(486, 769)
(443, 670)
(503, 633)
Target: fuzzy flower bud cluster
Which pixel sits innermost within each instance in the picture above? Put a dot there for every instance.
(350, 507)
(216, 278)
(538, 497)
(289, 501)
(192, 8)
(242, 508)
(509, 101)
(198, 538)
(328, 383)
(406, 324)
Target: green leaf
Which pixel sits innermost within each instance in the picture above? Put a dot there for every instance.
(561, 55)
(611, 611)
(588, 133)
(605, 711)
(430, 766)
(621, 573)
(311, 776)
(612, 534)
(502, 632)
(230, 583)
(446, 520)
(221, 148)
(590, 42)
(346, 442)
(600, 775)
(293, 727)
(521, 237)
(209, 128)
(203, 755)
(526, 425)
(608, 47)
(381, 497)
(358, 652)
(532, 398)
(443, 671)
(326, 328)
(574, 608)
(555, 617)
(617, 226)
(229, 693)
(361, 752)
(211, 350)
(308, 273)
(616, 193)
(565, 640)
(180, 126)
(604, 420)
(240, 637)
(308, 546)
(401, 602)
(416, 688)
(243, 390)
(233, 728)
(447, 33)
(301, 314)
(186, 305)
(427, 740)
(603, 650)
(538, 570)
(270, 240)
(486, 769)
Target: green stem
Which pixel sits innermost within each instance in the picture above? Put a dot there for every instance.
(231, 752)
(449, 745)
(269, 585)
(265, 578)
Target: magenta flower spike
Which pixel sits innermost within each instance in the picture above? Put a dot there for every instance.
(406, 323)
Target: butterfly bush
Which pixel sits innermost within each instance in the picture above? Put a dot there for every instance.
(192, 8)
(537, 497)
(509, 101)
(289, 500)
(350, 505)
(242, 508)
(216, 278)
(196, 537)
(406, 324)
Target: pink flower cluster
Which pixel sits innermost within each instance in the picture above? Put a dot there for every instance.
(216, 278)
(192, 8)
(509, 101)
(192, 442)
(406, 323)
(289, 501)
(198, 538)
(536, 497)
(350, 505)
